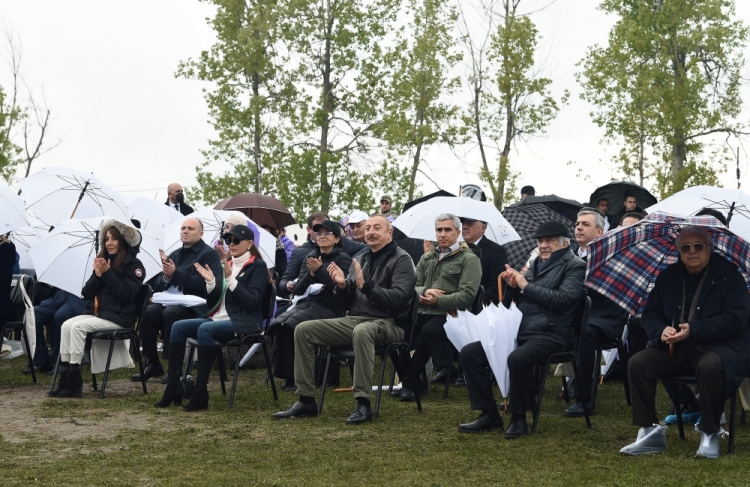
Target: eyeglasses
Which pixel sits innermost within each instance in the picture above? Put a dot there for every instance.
(232, 240)
(686, 248)
(323, 234)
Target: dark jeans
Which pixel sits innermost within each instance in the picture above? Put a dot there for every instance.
(50, 314)
(586, 361)
(652, 364)
(430, 329)
(160, 318)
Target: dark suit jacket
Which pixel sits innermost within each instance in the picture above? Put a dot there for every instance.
(493, 259)
(185, 208)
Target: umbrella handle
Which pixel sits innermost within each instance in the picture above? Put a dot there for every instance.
(671, 350)
(80, 197)
(500, 286)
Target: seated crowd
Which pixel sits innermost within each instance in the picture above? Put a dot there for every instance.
(354, 286)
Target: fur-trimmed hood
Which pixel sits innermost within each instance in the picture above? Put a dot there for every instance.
(131, 235)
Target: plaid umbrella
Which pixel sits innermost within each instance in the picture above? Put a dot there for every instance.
(525, 219)
(624, 264)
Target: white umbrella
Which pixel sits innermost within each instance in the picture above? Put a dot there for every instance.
(727, 201)
(64, 258)
(462, 329)
(12, 210)
(213, 224)
(24, 238)
(153, 215)
(499, 340)
(419, 220)
(56, 194)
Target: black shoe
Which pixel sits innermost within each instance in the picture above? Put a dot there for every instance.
(62, 378)
(43, 368)
(440, 375)
(408, 395)
(517, 428)
(361, 414)
(173, 393)
(298, 410)
(460, 381)
(395, 393)
(198, 401)
(73, 383)
(483, 423)
(149, 371)
(165, 379)
(576, 410)
(289, 386)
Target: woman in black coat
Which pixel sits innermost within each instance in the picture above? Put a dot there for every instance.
(240, 313)
(322, 305)
(112, 289)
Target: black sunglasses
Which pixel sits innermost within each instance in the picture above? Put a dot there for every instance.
(232, 240)
(686, 248)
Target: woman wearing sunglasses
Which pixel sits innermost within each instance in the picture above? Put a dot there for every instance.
(245, 279)
(319, 303)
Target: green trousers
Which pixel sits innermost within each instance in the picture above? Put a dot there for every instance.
(361, 332)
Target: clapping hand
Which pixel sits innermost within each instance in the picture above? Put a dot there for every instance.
(167, 264)
(314, 264)
(359, 277)
(427, 247)
(205, 272)
(337, 275)
(101, 266)
(219, 247)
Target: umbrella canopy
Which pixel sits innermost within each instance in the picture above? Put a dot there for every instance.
(419, 220)
(12, 209)
(64, 258)
(56, 193)
(24, 238)
(153, 215)
(624, 264)
(562, 206)
(260, 208)
(213, 225)
(499, 339)
(615, 193)
(525, 220)
(732, 203)
(440, 192)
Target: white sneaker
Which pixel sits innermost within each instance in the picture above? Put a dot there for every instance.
(652, 439)
(709, 447)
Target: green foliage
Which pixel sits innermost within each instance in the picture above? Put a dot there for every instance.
(669, 77)
(10, 153)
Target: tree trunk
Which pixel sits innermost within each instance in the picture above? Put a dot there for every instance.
(328, 108)
(480, 142)
(414, 167)
(679, 153)
(257, 134)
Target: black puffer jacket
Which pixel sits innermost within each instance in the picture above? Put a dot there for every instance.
(721, 321)
(388, 289)
(551, 299)
(326, 296)
(116, 291)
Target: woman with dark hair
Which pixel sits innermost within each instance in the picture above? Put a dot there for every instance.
(314, 298)
(245, 280)
(112, 289)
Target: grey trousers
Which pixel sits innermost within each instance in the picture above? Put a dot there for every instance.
(362, 332)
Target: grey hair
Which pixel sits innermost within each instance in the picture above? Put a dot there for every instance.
(449, 216)
(598, 218)
(563, 240)
(695, 231)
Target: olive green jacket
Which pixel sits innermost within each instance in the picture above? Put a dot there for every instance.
(458, 274)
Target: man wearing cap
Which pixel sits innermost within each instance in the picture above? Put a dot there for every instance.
(378, 291)
(357, 225)
(527, 191)
(385, 206)
(548, 295)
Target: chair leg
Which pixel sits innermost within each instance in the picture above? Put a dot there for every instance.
(54, 374)
(236, 374)
(447, 381)
(624, 358)
(540, 394)
(383, 361)
(188, 361)
(268, 369)
(223, 370)
(106, 368)
(743, 418)
(136, 344)
(325, 381)
(732, 415)
(678, 412)
(25, 339)
(584, 403)
(411, 368)
(269, 375)
(93, 382)
(597, 374)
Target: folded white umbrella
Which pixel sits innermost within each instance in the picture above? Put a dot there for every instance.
(213, 225)
(12, 210)
(153, 215)
(732, 203)
(56, 194)
(462, 329)
(64, 258)
(419, 220)
(499, 339)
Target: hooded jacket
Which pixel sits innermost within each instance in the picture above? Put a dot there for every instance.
(551, 298)
(116, 291)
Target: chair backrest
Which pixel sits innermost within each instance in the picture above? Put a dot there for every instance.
(16, 296)
(580, 322)
(269, 300)
(476, 306)
(141, 302)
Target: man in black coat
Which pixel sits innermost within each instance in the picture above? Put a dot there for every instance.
(699, 307)
(606, 319)
(179, 273)
(548, 295)
(176, 199)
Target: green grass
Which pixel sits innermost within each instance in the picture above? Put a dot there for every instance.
(123, 440)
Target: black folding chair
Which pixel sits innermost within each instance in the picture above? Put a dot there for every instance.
(16, 297)
(579, 327)
(622, 352)
(141, 303)
(398, 348)
(269, 299)
(476, 308)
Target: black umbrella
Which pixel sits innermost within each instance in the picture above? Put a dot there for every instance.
(563, 206)
(615, 192)
(425, 198)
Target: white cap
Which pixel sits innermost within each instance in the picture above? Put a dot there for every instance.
(358, 216)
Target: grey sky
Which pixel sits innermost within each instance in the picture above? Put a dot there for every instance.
(107, 71)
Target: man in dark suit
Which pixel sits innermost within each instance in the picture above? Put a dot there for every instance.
(176, 199)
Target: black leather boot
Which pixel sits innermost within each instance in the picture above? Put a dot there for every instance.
(73, 383)
(175, 390)
(199, 399)
(62, 377)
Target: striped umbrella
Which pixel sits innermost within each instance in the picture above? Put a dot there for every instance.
(525, 219)
(624, 264)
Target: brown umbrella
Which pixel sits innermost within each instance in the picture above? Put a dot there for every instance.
(260, 208)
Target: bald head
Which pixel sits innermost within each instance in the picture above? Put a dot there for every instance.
(172, 191)
(191, 231)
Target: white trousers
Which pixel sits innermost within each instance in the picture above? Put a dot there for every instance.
(73, 336)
